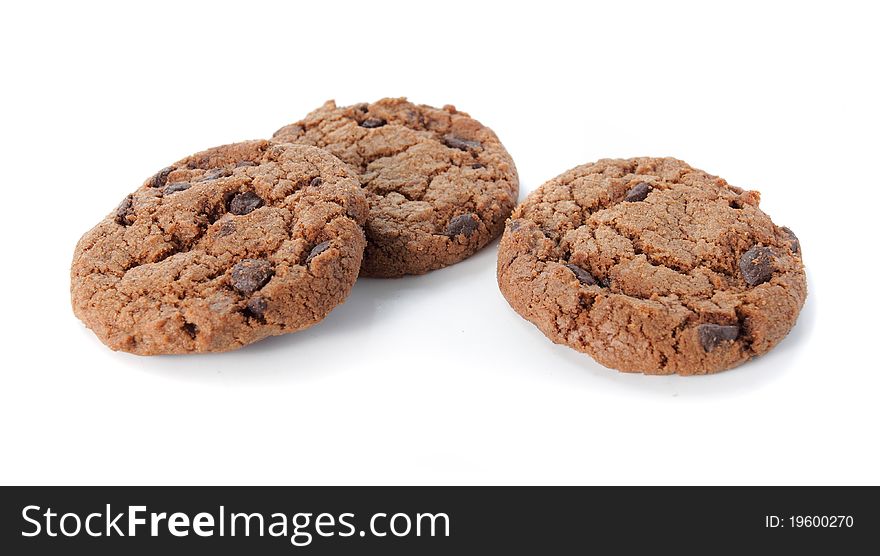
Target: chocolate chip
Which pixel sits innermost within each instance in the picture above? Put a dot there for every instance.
(242, 163)
(317, 250)
(638, 193)
(363, 107)
(256, 307)
(477, 166)
(795, 243)
(161, 176)
(582, 275)
(226, 228)
(712, 335)
(176, 186)
(244, 203)
(465, 224)
(756, 265)
(316, 181)
(370, 123)
(213, 174)
(459, 143)
(191, 329)
(515, 225)
(123, 211)
(249, 275)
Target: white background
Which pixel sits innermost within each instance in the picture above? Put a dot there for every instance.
(434, 379)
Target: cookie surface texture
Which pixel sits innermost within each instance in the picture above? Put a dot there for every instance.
(649, 265)
(222, 249)
(440, 184)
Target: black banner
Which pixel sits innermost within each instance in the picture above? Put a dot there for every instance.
(433, 520)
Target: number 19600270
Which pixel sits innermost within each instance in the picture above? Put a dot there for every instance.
(821, 520)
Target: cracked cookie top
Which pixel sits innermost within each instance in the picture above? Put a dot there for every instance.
(439, 184)
(222, 249)
(652, 266)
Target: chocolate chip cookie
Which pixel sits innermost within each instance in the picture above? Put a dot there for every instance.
(440, 184)
(222, 249)
(652, 266)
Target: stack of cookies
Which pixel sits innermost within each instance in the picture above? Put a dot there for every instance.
(646, 264)
(236, 243)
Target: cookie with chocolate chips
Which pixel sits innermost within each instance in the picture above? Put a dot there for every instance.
(440, 184)
(222, 249)
(652, 266)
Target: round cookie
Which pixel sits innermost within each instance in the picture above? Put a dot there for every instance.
(440, 184)
(652, 266)
(222, 249)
